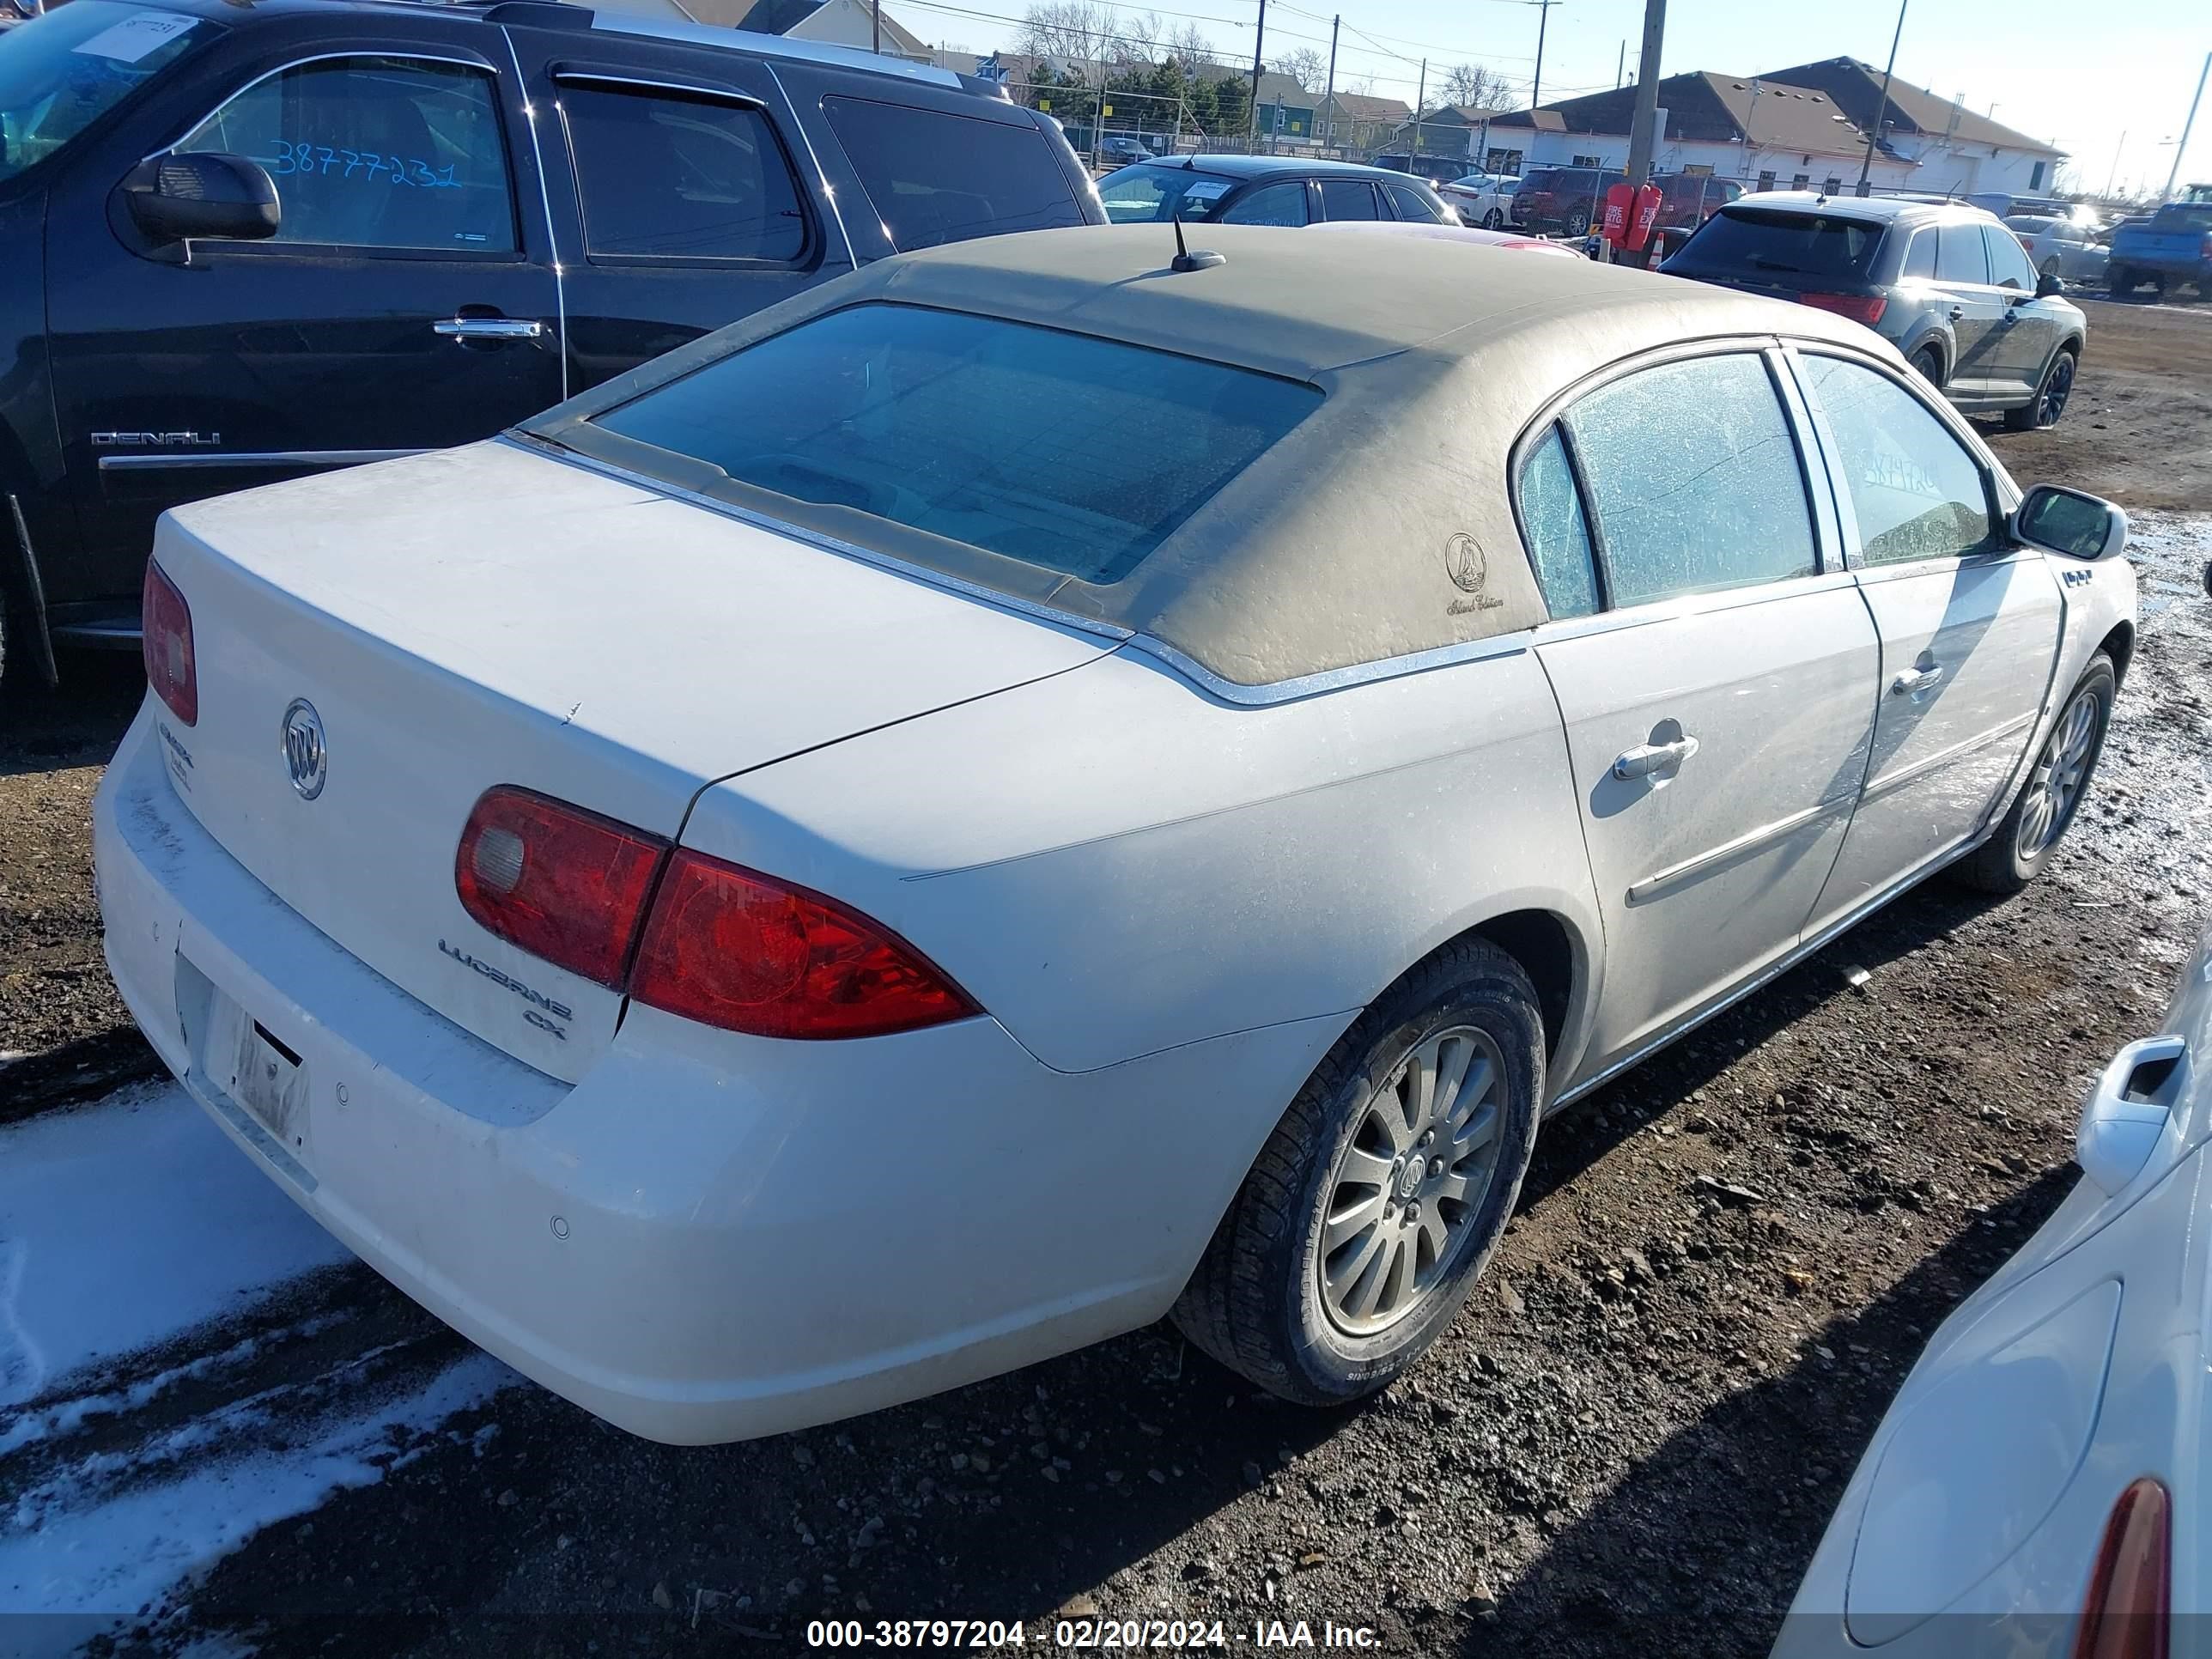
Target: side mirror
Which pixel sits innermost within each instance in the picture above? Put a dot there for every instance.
(2048, 285)
(175, 198)
(2068, 521)
(2128, 1109)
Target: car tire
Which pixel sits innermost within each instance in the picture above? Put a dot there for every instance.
(2042, 412)
(1928, 363)
(1493, 220)
(1313, 1285)
(1578, 223)
(2119, 281)
(2051, 794)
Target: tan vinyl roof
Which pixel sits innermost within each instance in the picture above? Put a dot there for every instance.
(1335, 548)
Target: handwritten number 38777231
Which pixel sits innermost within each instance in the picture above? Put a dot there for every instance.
(362, 166)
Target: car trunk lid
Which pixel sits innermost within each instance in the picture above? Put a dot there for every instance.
(489, 615)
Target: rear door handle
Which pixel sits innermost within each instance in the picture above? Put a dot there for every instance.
(1647, 759)
(1957, 311)
(489, 328)
(1913, 681)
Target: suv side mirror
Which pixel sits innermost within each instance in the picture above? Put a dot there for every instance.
(173, 198)
(2048, 284)
(2081, 526)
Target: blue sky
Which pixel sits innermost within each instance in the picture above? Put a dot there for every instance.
(2079, 75)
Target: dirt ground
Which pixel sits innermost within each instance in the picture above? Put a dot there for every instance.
(1629, 1444)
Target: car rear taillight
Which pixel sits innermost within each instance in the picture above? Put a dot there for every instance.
(721, 944)
(734, 948)
(563, 883)
(165, 639)
(1859, 307)
(2126, 1613)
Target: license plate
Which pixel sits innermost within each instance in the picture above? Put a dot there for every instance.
(265, 1079)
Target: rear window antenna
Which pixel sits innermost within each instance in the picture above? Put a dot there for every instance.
(1204, 259)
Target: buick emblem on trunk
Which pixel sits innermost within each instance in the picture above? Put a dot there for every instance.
(305, 758)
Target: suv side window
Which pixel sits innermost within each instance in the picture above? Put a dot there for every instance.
(1270, 204)
(2008, 261)
(1558, 535)
(1961, 256)
(1694, 506)
(665, 174)
(375, 152)
(933, 177)
(1348, 198)
(1920, 256)
(1916, 491)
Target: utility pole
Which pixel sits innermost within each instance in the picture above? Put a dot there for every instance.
(1620, 67)
(1641, 138)
(2185, 128)
(2113, 178)
(1259, 42)
(1881, 109)
(1329, 98)
(1543, 17)
(875, 25)
(1420, 97)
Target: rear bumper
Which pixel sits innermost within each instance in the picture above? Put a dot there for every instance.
(708, 1237)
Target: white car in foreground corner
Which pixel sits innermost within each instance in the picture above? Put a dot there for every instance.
(2037, 1490)
(1035, 785)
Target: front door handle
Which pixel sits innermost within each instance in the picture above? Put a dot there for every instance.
(1913, 681)
(488, 328)
(1647, 759)
(1957, 311)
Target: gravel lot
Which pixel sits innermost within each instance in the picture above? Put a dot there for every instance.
(1629, 1444)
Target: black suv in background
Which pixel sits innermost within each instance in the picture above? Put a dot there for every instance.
(242, 242)
(1263, 190)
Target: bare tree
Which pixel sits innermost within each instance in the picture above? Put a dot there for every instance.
(1189, 46)
(1142, 39)
(1306, 66)
(1084, 31)
(1477, 85)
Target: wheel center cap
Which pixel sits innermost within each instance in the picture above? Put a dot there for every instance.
(1409, 1177)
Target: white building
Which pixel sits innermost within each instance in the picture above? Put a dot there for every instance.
(1797, 128)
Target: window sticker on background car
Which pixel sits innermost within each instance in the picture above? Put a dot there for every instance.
(128, 41)
(1206, 189)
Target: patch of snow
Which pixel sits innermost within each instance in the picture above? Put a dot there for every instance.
(127, 1223)
(85, 1543)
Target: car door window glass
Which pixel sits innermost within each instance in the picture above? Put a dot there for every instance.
(1272, 204)
(1689, 505)
(1920, 256)
(2009, 262)
(1960, 254)
(1558, 538)
(665, 174)
(1348, 198)
(933, 177)
(1411, 204)
(375, 152)
(1916, 491)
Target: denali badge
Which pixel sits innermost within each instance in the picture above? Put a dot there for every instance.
(186, 440)
(304, 756)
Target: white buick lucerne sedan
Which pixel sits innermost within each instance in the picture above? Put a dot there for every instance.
(1043, 784)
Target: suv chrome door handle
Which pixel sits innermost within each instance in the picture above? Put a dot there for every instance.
(1913, 681)
(1957, 311)
(1646, 758)
(488, 328)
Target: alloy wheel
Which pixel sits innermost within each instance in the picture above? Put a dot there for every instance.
(1407, 1188)
(2057, 385)
(2055, 786)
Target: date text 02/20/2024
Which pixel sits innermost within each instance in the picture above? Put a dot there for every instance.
(1086, 1633)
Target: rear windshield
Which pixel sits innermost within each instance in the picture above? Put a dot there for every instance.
(2182, 215)
(1824, 244)
(61, 72)
(1075, 455)
(1144, 194)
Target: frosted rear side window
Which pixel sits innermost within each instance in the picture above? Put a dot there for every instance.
(1077, 454)
(1694, 480)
